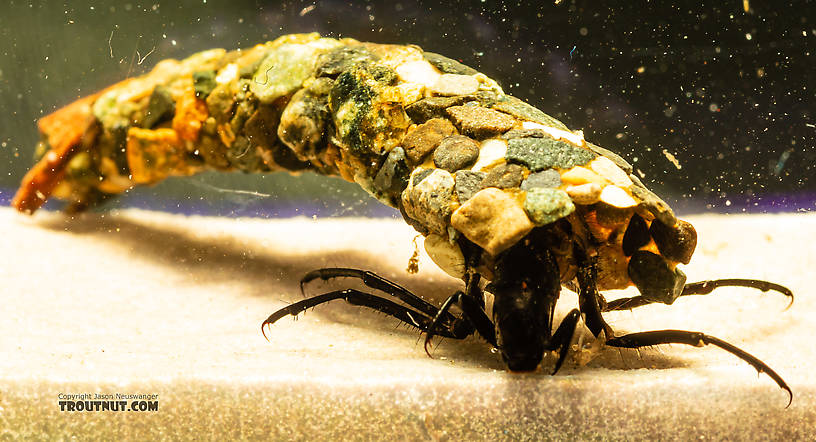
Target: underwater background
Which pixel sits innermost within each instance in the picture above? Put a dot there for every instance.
(712, 103)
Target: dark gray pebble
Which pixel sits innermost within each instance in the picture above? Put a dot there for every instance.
(549, 178)
(676, 242)
(456, 152)
(433, 107)
(467, 184)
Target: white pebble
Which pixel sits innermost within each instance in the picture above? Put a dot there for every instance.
(418, 71)
(604, 167)
(492, 150)
(446, 255)
(585, 194)
(617, 197)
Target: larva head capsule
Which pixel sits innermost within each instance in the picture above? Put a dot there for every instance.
(525, 289)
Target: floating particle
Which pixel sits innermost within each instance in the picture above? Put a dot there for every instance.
(671, 158)
(780, 163)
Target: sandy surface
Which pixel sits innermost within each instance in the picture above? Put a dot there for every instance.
(141, 302)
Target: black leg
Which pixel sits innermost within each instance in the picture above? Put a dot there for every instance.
(702, 288)
(356, 297)
(473, 319)
(471, 302)
(706, 287)
(588, 295)
(696, 339)
(562, 337)
(443, 323)
(374, 281)
(464, 327)
(474, 312)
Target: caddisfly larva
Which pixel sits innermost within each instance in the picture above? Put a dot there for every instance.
(501, 191)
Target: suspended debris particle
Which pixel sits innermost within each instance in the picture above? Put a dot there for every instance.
(672, 159)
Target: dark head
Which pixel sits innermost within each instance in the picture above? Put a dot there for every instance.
(526, 285)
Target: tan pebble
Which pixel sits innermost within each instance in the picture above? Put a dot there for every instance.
(490, 152)
(586, 194)
(451, 85)
(424, 138)
(617, 197)
(447, 256)
(604, 167)
(480, 122)
(581, 175)
(488, 84)
(429, 201)
(492, 219)
(418, 71)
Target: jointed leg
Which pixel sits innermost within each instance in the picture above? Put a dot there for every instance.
(562, 337)
(473, 319)
(374, 281)
(437, 319)
(697, 339)
(473, 314)
(702, 288)
(471, 302)
(424, 315)
(443, 319)
(706, 287)
(407, 315)
(588, 295)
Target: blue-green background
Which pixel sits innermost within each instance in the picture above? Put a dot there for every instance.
(730, 94)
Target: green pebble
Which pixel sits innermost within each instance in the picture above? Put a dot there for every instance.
(654, 279)
(448, 65)
(160, 107)
(283, 71)
(80, 168)
(544, 205)
(546, 153)
(203, 83)
(342, 59)
(520, 109)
